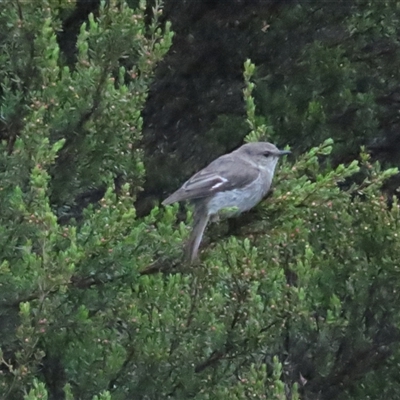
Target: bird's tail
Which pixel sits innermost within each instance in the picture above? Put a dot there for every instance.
(201, 218)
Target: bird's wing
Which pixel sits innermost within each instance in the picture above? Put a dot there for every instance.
(224, 173)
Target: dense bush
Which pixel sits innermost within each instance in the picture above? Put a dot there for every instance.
(301, 303)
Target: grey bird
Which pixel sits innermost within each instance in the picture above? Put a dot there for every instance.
(236, 181)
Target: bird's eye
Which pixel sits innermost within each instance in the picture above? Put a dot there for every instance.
(267, 154)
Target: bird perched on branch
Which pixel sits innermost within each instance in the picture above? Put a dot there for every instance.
(236, 182)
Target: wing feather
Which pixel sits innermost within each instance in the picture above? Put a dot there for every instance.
(224, 173)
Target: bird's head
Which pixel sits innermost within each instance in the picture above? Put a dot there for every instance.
(264, 149)
(263, 154)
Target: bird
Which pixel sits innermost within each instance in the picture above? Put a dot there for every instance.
(235, 182)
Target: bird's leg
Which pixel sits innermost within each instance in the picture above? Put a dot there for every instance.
(215, 218)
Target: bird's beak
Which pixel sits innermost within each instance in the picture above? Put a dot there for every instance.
(283, 152)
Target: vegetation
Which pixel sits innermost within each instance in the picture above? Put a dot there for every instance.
(96, 302)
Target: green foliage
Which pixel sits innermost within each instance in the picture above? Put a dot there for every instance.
(300, 303)
(94, 105)
(67, 128)
(335, 65)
